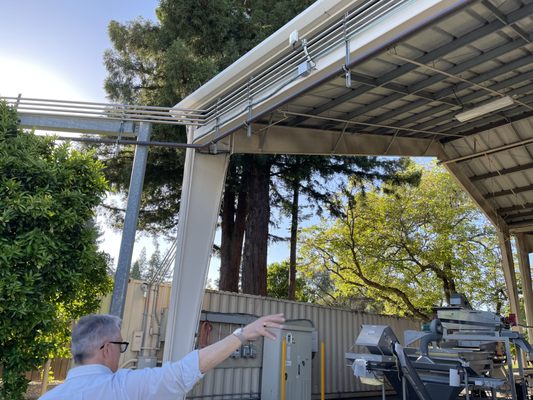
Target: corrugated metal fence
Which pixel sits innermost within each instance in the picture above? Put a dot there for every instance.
(337, 328)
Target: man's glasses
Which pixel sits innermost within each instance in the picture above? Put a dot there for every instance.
(123, 345)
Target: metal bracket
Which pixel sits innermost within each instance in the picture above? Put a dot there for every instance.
(305, 67)
(347, 72)
(217, 119)
(248, 122)
(119, 138)
(216, 148)
(309, 60)
(263, 135)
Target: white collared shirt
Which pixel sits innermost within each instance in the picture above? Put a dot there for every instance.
(98, 382)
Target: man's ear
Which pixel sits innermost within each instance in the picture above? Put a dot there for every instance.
(105, 350)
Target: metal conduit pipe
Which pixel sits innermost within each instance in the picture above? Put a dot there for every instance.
(124, 118)
(135, 142)
(120, 112)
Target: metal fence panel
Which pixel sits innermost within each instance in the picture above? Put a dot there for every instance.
(336, 327)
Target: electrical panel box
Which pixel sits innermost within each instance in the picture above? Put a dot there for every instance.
(298, 339)
(146, 362)
(136, 341)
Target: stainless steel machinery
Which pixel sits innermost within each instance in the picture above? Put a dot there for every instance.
(463, 353)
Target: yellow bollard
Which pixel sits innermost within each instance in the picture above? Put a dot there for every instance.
(283, 356)
(322, 372)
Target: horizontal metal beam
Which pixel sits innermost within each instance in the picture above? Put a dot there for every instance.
(502, 17)
(57, 123)
(144, 143)
(295, 140)
(523, 226)
(505, 147)
(523, 206)
(501, 172)
(507, 192)
(511, 217)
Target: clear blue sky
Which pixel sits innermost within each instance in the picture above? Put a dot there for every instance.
(64, 37)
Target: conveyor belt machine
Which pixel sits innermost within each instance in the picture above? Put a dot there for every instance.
(464, 353)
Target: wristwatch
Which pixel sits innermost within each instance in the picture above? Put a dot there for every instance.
(239, 332)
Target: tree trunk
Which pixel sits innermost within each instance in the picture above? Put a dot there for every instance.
(238, 234)
(46, 372)
(233, 223)
(448, 282)
(294, 240)
(254, 263)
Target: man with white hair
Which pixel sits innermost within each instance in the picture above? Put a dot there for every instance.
(96, 347)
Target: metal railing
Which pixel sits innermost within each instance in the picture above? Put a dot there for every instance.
(114, 111)
(239, 98)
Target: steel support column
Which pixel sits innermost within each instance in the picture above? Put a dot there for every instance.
(130, 222)
(509, 271)
(203, 182)
(525, 274)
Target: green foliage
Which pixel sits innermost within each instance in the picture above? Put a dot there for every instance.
(278, 282)
(50, 269)
(407, 248)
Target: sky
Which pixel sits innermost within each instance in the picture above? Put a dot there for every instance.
(54, 49)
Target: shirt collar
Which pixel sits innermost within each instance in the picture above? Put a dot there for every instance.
(89, 369)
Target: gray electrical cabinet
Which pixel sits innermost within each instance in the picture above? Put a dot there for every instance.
(298, 337)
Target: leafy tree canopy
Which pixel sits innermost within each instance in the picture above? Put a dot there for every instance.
(278, 282)
(50, 269)
(407, 249)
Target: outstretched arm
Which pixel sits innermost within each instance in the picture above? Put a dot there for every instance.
(211, 356)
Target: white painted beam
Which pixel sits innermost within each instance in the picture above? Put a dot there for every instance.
(58, 123)
(293, 140)
(203, 182)
(525, 275)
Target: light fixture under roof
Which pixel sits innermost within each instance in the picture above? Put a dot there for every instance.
(486, 108)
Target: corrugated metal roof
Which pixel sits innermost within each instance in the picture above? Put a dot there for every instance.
(414, 89)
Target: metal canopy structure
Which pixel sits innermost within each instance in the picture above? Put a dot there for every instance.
(371, 77)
